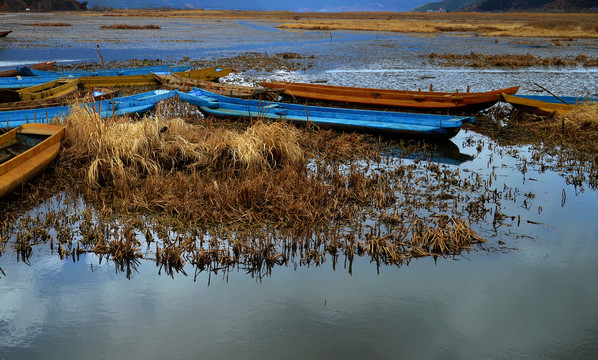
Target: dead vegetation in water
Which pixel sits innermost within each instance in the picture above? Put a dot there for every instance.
(131, 27)
(253, 197)
(49, 24)
(567, 142)
(509, 60)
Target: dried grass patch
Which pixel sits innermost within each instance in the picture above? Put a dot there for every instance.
(131, 27)
(49, 24)
(510, 60)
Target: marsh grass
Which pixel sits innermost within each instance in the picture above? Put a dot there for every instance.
(216, 195)
(49, 24)
(509, 60)
(568, 142)
(131, 27)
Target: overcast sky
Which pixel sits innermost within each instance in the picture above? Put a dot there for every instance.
(293, 5)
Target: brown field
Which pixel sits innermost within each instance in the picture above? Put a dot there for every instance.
(554, 25)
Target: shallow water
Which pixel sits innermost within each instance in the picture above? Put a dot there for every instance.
(533, 297)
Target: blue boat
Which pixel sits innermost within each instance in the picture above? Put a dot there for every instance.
(395, 123)
(21, 82)
(146, 70)
(134, 104)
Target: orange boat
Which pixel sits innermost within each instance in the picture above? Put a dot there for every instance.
(399, 99)
(25, 152)
(48, 65)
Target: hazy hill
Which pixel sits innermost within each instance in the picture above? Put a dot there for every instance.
(42, 5)
(511, 5)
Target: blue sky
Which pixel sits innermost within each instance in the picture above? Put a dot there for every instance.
(293, 5)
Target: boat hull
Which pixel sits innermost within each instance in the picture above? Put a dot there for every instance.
(546, 105)
(384, 122)
(399, 99)
(48, 65)
(134, 104)
(29, 164)
(52, 89)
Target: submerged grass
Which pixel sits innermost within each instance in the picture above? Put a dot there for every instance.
(509, 60)
(220, 196)
(131, 27)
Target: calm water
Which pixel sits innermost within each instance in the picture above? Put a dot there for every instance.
(534, 297)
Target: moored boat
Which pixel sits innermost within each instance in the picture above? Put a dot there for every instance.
(176, 82)
(25, 152)
(546, 105)
(75, 97)
(51, 89)
(21, 82)
(395, 123)
(4, 33)
(399, 99)
(48, 65)
(134, 104)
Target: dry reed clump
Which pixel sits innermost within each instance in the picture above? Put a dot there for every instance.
(49, 24)
(509, 60)
(131, 27)
(121, 153)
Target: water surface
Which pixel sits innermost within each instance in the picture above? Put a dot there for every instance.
(529, 293)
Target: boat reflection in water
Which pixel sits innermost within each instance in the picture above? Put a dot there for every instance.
(442, 151)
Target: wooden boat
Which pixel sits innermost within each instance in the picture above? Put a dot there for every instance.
(21, 82)
(4, 33)
(546, 105)
(134, 104)
(95, 94)
(400, 99)
(395, 123)
(25, 152)
(211, 73)
(176, 82)
(29, 71)
(48, 65)
(52, 89)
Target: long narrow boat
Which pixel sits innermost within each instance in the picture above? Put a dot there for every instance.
(48, 65)
(52, 89)
(4, 33)
(20, 82)
(400, 99)
(134, 104)
(29, 71)
(25, 152)
(545, 105)
(95, 94)
(395, 123)
(176, 82)
(211, 73)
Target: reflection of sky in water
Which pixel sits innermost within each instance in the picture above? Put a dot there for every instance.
(535, 301)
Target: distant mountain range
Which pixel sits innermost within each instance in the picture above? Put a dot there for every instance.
(510, 5)
(43, 5)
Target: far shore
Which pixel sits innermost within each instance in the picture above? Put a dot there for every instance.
(553, 25)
